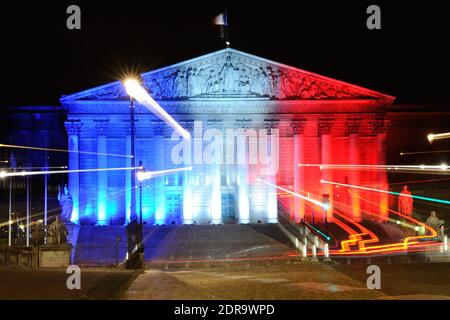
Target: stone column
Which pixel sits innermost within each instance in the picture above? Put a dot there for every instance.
(242, 181)
(325, 127)
(159, 182)
(214, 172)
(73, 131)
(380, 128)
(101, 128)
(187, 181)
(298, 128)
(353, 127)
(273, 137)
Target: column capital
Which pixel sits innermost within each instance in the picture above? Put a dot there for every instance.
(158, 128)
(73, 127)
(101, 127)
(188, 125)
(214, 124)
(298, 126)
(325, 126)
(242, 123)
(379, 126)
(353, 126)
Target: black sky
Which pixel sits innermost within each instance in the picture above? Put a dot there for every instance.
(42, 60)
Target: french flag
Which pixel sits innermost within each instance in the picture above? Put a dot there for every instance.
(221, 19)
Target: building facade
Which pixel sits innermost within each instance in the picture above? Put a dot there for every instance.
(260, 131)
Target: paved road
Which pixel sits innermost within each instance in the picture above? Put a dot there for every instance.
(293, 281)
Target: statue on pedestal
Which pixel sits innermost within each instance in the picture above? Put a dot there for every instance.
(405, 202)
(66, 203)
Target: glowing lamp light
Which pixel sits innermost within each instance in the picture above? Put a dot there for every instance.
(443, 166)
(398, 221)
(430, 137)
(2, 174)
(145, 175)
(136, 91)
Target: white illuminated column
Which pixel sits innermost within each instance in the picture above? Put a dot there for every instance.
(273, 147)
(216, 199)
(242, 178)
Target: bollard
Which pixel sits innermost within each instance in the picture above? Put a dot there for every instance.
(349, 262)
(326, 252)
(314, 252)
(445, 243)
(441, 249)
(304, 252)
(369, 261)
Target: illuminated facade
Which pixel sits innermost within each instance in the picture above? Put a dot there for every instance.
(300, 117)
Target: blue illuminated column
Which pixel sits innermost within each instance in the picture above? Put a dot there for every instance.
(102, 176)
(159, 182)
(298, 128)
(73, 130)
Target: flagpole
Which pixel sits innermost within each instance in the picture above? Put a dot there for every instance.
(10, 213)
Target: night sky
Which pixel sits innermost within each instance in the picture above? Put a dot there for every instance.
(42, 59)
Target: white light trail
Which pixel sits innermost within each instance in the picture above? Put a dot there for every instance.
(136, 91)
(318, 203)
(441, 167)
(438, 136)
(4, 174)
(145, 175)
(2, 145)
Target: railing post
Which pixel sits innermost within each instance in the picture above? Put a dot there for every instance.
(326, 252)
(314, 252)
(445, 243)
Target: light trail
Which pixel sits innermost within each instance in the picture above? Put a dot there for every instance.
(384, 191)
(317, 203)
(438, 136)
(151, 174)
(62, 150)
(419, 168)
(423, 152)
(136, 91)
(35, 173)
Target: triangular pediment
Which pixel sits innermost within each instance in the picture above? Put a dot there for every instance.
(230, 73)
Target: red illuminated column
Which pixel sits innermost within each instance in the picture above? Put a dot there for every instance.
(298, 128)
(325, 127)
(353, 174)
(381, 127)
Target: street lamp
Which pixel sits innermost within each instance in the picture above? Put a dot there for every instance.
(128, 86)
(141, 237)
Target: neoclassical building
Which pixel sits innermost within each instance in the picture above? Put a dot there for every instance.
(273, 112)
